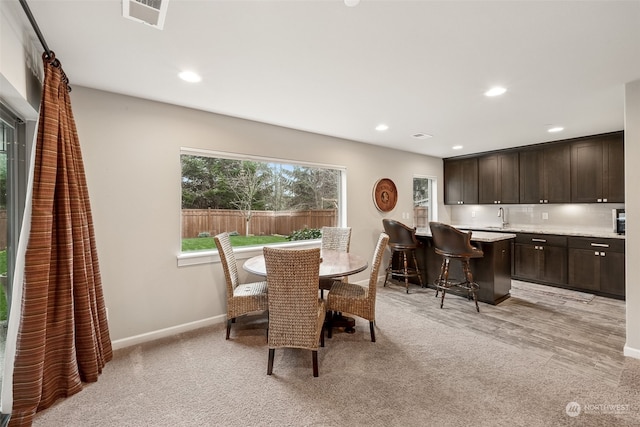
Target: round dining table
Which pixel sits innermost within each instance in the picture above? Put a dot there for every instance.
(333, 264)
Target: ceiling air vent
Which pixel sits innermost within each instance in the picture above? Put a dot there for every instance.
(150, 12)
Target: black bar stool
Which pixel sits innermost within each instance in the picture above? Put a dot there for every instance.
(403, 245)
(452, 243)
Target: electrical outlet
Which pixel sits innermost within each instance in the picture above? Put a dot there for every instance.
(473, 214)
(545, 215)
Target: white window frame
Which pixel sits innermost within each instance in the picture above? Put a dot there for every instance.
(433, 208)
(242, 253)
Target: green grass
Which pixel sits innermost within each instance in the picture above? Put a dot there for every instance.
(205, 243)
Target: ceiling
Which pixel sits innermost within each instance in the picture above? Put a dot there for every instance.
(324, 67)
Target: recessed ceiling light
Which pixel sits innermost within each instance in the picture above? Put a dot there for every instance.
(495, 91)
(555, 129)
(190, 76)
(457, 147)
(382, 127)
(351, 3)
(421, 135)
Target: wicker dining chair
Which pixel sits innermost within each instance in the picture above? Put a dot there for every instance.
(296, 314)
(336, 239)
(241, 298)
(359, 300)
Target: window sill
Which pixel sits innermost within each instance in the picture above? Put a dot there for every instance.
(241, 253)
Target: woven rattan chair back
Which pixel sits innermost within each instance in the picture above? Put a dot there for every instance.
(336, 238)
(241, 298)
(358, 300)
(383, 241)
(296, 315)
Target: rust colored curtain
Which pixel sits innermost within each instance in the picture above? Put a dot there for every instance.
(63, 337)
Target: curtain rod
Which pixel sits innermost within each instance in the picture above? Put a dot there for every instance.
(49, 54)
(34, 24)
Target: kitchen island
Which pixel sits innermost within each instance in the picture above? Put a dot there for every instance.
(492, 272)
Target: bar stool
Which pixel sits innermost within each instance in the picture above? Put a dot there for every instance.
(452, 243)
(403, 245)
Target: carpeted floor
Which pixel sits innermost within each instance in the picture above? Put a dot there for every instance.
(422, 371)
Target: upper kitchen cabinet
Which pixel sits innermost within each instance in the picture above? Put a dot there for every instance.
(461, 181)
(498, 178)
(545, 174)
(597, 169)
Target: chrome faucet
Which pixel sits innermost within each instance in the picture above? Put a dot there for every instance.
(501, 214)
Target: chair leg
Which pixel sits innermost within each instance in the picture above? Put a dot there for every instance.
(272, 352)
(405, 266)
(415, 262)
(469, 278)
(314, 358)
(445, 279)
(228, 327)
(389, 267)
(373, 334)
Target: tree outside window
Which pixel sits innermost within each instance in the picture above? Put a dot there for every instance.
(257, 202)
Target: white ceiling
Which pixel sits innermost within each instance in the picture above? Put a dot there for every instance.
(320, 66)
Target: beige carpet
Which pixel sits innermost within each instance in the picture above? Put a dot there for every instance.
(420, 372)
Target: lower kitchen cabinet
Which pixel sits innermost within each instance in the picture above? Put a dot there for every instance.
(597, 265)
(541, 258)
(594, 265)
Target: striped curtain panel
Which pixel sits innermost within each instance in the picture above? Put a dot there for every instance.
(63, 336)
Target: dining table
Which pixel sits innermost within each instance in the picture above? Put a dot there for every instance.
(333, 264)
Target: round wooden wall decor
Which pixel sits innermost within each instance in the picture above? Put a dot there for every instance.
(385, 195)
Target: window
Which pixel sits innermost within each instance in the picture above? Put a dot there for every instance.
(13, 181)
(424, 208)
(258, 201)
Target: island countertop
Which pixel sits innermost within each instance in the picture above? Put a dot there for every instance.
(476, 236)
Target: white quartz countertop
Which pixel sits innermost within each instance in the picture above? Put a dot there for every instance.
(543, 230)
(476, 236)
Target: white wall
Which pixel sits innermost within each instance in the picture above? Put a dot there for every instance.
(131, 152)
(632, 201)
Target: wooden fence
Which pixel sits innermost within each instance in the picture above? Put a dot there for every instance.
(263, 223)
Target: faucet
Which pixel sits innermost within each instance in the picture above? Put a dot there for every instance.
(501, 214)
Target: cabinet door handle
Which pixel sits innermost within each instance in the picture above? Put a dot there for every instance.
(541, 201)
(599, 245)
(604, 200)
(602, 253)
(546, 201)
(599, 200)
(539, 240)
(596, 253)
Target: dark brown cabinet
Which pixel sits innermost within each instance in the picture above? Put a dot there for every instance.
(498, 178)
(545, 174)
(597, 169)
(597, 265)
(461, 181)
(540, 258)
(580, 170)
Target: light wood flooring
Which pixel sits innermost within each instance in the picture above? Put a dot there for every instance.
(579, 331)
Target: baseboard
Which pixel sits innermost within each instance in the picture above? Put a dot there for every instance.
(167, 332)
(631, 352)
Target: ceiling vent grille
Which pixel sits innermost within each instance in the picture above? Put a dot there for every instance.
(150, 12)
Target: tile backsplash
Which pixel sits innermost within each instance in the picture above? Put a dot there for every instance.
(574, 216)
